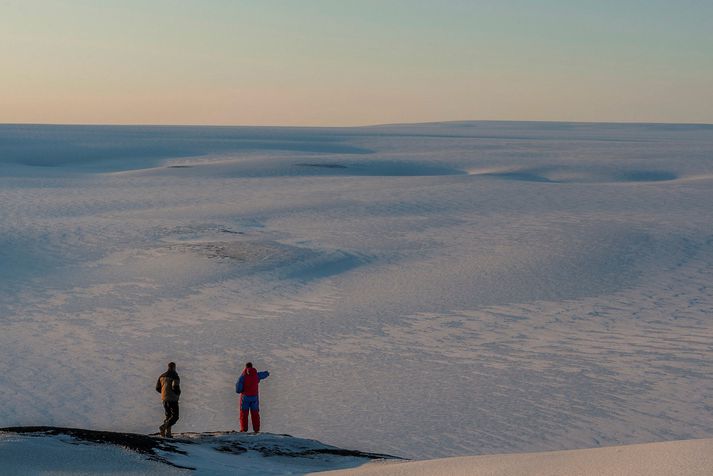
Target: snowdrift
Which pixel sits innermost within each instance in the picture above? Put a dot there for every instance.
(674, 458)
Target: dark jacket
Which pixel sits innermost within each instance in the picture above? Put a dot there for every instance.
(169, 386)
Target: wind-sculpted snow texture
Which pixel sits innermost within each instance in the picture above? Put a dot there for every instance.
(426, 290)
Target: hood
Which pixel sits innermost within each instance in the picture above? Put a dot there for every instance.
(251, 371)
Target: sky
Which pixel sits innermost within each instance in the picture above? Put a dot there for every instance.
(349, 62)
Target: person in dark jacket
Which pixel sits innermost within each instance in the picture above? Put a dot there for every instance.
(247, 387)
(169, 386)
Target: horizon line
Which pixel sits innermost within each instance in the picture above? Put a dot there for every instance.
(385, 124)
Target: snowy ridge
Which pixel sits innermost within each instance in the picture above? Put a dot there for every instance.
(30, 450)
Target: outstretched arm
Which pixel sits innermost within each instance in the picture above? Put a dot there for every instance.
(263, 375)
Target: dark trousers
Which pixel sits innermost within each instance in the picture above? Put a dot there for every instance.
(171, 409)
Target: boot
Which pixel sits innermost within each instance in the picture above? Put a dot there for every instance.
(168, 433)
(162, 431)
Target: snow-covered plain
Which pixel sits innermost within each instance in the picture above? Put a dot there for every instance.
(419, 290)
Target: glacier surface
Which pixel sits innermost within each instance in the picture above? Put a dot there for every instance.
(420, 290)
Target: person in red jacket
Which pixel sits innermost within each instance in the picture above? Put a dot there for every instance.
(247, 387)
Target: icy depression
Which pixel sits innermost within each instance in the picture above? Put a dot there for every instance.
(420, 290)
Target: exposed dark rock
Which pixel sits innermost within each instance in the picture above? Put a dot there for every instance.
(231, 447)
(308, 453)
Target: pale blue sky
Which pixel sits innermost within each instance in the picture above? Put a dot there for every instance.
(332, 62)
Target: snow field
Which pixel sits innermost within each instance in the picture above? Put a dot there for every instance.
(424, 291)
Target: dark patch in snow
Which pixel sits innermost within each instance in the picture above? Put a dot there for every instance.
(247, 251)
(581, 175)
(274, 445)
(647, 176)
(232, 447)
(322, 451)
(522, 176)
(325, 166)
(288, 261)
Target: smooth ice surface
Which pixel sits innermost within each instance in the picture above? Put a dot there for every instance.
(419, 290)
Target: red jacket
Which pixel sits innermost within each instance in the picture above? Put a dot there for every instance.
(250, 382)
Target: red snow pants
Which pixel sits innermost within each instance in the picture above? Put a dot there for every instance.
(249, 404)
